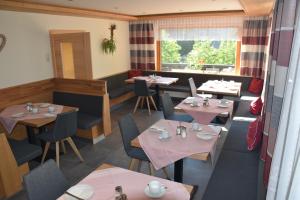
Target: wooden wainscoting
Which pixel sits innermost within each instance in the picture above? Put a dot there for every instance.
(10, 173)
(39, 91)
(88, 87)
(42, 91)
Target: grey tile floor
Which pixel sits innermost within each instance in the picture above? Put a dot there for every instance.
(110, 150)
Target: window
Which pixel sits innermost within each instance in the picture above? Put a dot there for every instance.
(213, 50)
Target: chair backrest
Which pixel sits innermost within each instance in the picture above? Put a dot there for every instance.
(141, 88)
(192, 87)
(65, 125)
(45, 182)
(129, 131)
(167, 105)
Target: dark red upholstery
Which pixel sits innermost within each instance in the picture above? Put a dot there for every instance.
(256, 86)
(133, 73)
(254, 134)
(256, 106)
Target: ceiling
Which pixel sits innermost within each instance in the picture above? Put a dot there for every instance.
(149, 7)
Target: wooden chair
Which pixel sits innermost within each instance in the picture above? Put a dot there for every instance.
(143, 92)
(64, 128)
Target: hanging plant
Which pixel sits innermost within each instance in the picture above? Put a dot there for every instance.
(109, 45)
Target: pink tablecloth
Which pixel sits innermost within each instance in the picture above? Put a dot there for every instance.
(205, 114)
(133, 185)
(10, 122)
(162, 153)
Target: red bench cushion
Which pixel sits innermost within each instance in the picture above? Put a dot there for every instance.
(256, 106)
(256, 86)
(134, 73)
(254, 134)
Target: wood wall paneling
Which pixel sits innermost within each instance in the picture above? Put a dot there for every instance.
(24, 6)
(40, 91)
(257, 7)
(10, 179)
(88, 87)
(79, 42)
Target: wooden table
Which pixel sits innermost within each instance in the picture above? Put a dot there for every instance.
(204, 111)
(221, 88)
(160, 81)
(178, 165)
(191, 189)
(38, 124)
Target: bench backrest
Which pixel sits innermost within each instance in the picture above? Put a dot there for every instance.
(87, 104)
(115, 81)
(201, 78)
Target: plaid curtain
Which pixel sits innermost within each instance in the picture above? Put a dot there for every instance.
(280, 50)
(142, 50)
(254, 46)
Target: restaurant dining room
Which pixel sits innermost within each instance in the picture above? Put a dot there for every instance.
(139, 99)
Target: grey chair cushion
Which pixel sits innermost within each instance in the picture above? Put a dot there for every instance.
(86, 121)
(234, 177)
(120, 91)
(23, 151)
(181, 117)
(45, 182)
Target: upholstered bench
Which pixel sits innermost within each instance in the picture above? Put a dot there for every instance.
(235, 175)
(90, 110)
(23, 151)
(117, 89)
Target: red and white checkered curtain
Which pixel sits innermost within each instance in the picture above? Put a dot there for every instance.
(280, 50)
(142, 48)
(254, 46)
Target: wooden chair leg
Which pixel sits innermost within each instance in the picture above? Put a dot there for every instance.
(63, 146)
(139, 165)
(132, 164)
(142, 102)
(147, 99)
(57, 153)
(72, 144)
(136, 105)
(45, 151)
(151, 169)
(152, 100)
(166, 173)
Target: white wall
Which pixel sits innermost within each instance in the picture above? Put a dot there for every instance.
(27, 54)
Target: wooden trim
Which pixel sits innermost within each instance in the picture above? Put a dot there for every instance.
(23, 6)
(106, 116)
(82, 61)
(257, 7)
(158, 56)
(38, 91)
(121, 99)
(88, 87)
(10, 179)
(192, 14)
(238, 58)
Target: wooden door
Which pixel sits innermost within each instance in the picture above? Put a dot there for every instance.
(71, 54)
